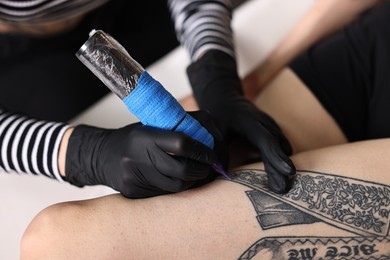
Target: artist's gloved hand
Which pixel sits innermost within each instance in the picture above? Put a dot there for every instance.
(139, 161)
(217, 88)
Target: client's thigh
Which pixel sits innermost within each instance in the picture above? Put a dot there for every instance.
(300, 115)
(338, 208)
(216, 220)
(298, 112)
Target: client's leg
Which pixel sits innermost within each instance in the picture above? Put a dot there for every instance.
(338, 208)
(302, 118)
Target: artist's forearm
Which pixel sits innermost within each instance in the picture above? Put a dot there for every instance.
(203, 25)
(324, 18)
(29, 145)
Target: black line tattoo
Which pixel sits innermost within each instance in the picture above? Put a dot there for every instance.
(272, 213)
(354, 205)
(359, 207)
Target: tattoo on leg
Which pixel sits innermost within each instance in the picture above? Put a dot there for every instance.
(330, 248)
(359, 207)
(273, 213)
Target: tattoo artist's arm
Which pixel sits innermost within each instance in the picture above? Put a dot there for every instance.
(203, 25)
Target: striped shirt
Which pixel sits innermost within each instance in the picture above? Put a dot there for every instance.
(30, 146)
(37, 11)
(202, 25)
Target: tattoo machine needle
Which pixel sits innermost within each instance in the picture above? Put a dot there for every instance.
(143, 96)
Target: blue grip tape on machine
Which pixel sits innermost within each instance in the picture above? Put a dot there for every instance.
(143, 96)
(153, 105)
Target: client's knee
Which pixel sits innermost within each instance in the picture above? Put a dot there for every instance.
(46, 234)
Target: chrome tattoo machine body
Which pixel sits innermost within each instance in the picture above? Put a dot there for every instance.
(145, 97)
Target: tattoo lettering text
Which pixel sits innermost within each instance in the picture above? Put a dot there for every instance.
(307, 248)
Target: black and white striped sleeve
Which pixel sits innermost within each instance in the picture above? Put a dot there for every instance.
(202, 25)
(30, 146)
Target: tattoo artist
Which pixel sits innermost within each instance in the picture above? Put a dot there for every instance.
(135, 160)
(42, 83)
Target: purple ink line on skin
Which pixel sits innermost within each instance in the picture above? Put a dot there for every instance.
(218, 168)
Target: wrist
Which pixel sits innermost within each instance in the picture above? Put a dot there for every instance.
(83, 156)
(62, 151)
(214, 77)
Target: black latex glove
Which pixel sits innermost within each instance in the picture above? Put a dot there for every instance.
(140, 161)
(217, 88)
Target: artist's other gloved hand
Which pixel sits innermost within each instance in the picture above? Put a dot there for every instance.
(138, 161)
(217, 88)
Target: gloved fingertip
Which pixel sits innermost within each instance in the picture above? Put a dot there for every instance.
(284, 168)
(283, 164)
(278, 187)
(290, 168)
(279, 183)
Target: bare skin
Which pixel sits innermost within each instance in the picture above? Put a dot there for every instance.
(62, 150)
(226, 220)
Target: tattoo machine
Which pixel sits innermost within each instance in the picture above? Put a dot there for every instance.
(143, 96)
